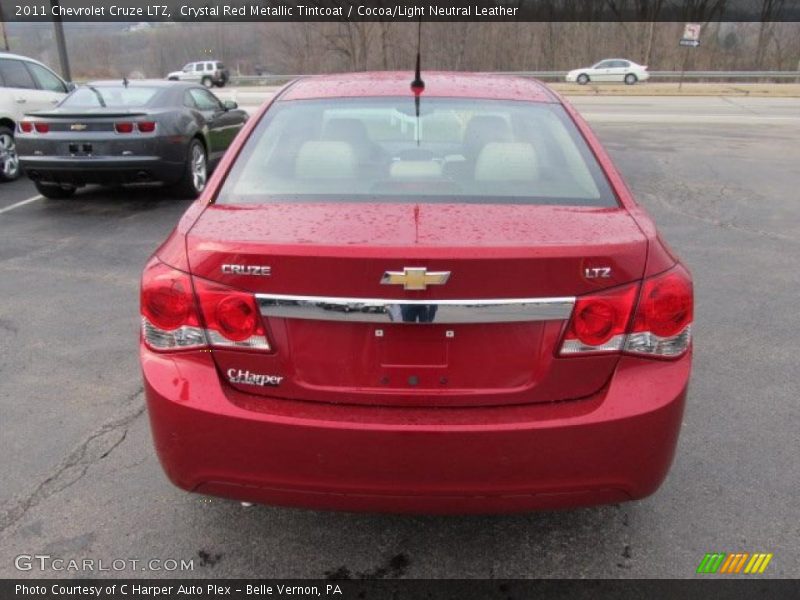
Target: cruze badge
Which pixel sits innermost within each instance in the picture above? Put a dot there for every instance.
(239, 376)
(258, 270)
(78, 126)
(415, 278)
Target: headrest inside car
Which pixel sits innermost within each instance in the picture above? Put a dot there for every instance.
(415, 169)
(507, 162)
(325, 160)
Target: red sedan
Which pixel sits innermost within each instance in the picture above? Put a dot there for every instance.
(390, 299)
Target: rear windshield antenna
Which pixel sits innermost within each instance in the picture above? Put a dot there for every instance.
(418, 86)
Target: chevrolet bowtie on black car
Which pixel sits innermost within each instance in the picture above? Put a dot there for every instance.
(128, 132)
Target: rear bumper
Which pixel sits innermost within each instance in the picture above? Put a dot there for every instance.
(101, 169)
(616, 445)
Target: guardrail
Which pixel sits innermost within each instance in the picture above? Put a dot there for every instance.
(559, 76)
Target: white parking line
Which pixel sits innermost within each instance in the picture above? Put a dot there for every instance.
(22, 203)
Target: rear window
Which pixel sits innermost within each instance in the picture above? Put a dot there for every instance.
(110, 96)
(457, 150)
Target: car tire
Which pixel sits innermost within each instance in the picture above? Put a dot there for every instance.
(172, 78)
(630, 79)
(207, 82)
(54, 192)
(582, 79)
(195, 172)
(9, 161)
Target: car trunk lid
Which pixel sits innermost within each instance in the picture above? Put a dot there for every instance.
(315, 262)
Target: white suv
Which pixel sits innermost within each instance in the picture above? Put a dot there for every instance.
(26, 85)
(207, 72)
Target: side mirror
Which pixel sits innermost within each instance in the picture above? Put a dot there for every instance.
(229, 105)
(71, 87)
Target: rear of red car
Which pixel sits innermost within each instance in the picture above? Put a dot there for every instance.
(447, 307)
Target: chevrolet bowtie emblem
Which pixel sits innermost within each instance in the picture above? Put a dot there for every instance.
(77, 127)
(415, 278)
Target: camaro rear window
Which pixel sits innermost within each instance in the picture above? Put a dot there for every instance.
(110, 96)
(455, 150)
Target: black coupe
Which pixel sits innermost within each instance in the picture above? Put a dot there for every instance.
(117, 132)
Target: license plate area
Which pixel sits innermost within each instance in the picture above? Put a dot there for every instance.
(81, 149)
(410, 346)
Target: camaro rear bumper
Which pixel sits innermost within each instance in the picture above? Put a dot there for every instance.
(101, 169)
(613, 446)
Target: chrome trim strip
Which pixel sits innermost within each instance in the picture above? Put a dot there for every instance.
(376, 310)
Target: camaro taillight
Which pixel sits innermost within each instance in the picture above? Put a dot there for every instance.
(177, 317)
(605, 322)
(41, 127)
(146, 126)
(26, 126)
(123, 127)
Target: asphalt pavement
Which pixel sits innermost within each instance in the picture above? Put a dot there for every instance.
(81, 479)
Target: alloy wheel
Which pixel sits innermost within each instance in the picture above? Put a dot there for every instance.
(9, 161)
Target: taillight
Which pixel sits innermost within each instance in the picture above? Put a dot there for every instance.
(599, 321)
(662, 325)
(169, 313)
(231, 317)
(146, 126)
(123, 127)
(606, 322)
(41, 127)
(26, 126)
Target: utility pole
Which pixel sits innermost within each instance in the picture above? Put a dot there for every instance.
(61, 44)
(3, 29)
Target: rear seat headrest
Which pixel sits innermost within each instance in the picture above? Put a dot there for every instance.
(325, 160)
(482, 130)
(507, 161)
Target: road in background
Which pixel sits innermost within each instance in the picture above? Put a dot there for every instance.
(742, 110)
(81, 480)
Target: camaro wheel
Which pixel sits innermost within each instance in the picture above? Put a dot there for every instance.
(9, 161)
(583, 79)
(195, 172)
(55, 192)
(630, 79)
(207, 82)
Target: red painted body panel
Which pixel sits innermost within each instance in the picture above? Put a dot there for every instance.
(451, 85)
(498, 421)
(493, 251)
(612, 446)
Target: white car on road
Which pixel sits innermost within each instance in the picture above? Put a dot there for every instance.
(26, 85)
(610, 69)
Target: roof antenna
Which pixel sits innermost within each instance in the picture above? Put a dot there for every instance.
(418, 86)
